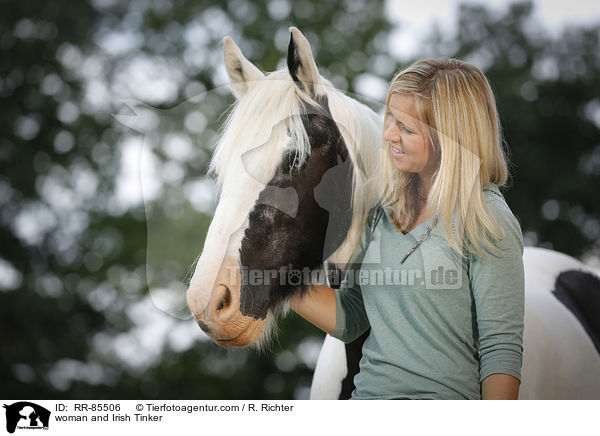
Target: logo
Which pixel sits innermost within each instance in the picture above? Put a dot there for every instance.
(26, 415)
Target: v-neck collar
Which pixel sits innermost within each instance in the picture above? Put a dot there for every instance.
(414, 233)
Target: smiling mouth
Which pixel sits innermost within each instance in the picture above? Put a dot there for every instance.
(396, 152)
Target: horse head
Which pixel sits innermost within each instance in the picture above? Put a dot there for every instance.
(291, 166)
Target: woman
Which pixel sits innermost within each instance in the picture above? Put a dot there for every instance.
(440, 281)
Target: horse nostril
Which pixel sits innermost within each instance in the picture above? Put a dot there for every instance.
(204, 327)
(225, 301)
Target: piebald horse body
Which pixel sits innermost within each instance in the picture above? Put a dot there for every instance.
(292, 165)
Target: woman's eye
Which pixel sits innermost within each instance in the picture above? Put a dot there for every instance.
(390, 118)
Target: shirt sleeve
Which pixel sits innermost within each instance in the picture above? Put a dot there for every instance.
(498, 284)
(351, 319)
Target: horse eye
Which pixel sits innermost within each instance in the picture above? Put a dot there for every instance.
(291, 163)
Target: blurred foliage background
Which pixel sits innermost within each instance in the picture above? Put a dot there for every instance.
(80, 249)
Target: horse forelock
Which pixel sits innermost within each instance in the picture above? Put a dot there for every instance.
(269, 117)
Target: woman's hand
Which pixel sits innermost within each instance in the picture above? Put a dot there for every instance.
(500, 387)
(318, 307)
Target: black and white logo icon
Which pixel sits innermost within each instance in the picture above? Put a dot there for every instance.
(26, 415)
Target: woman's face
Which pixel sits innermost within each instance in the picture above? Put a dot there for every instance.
(409, 146)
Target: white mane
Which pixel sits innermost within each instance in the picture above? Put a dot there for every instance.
(249, 147)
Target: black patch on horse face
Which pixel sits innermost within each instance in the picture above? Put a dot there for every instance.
(279, 247)
(580, 292)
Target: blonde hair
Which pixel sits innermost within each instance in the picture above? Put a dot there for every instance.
(455, 102)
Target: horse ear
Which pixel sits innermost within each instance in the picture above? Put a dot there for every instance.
(301, 63)
(240, 70)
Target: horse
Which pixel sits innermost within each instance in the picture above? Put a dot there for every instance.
(293, 163)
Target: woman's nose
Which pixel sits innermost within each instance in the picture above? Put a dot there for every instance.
(391, 134)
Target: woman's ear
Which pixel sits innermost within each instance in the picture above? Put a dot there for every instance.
(301, 64)
(240, 70)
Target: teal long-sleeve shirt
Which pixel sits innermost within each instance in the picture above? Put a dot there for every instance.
(440, 323)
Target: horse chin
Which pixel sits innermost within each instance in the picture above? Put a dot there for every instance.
(249, 334)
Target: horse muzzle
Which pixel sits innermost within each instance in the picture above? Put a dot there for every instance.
(218, 311)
